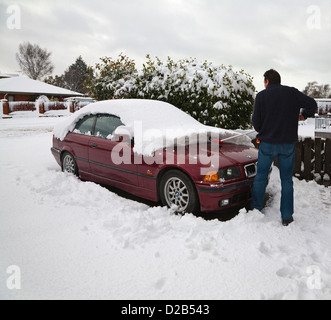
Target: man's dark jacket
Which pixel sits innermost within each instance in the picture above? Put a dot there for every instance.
(276, 113)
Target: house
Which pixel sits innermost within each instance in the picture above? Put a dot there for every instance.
(323, 128)
(14, 88)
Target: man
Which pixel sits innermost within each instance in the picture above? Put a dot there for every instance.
(275, 118)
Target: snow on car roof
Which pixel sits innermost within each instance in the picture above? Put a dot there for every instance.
(158, 123)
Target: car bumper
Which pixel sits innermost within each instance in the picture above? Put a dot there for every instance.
(57, 155)
(221, 197)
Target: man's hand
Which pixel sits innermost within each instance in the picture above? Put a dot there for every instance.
(301, 117)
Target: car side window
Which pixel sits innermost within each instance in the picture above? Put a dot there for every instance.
(106, 125)
(85, 125)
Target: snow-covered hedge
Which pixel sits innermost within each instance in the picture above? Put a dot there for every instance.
(108, 77)
(214, 95)
(21, 106)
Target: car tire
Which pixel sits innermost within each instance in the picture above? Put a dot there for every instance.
(69, 164)
(178, 191)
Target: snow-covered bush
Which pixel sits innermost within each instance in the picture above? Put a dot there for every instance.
(214, 95)
(42, 100)
(109, 76)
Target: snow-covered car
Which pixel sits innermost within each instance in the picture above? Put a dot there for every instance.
(80, 99)
(155, 151)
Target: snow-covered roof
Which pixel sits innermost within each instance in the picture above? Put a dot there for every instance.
(23, 85)
(154, 124)
(7, 75)
(323, 100)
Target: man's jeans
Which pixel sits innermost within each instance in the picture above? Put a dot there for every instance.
(267, 154)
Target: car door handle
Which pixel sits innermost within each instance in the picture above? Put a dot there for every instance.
(94, 145)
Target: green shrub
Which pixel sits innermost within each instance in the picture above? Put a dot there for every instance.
(214, 95)
(109, 76)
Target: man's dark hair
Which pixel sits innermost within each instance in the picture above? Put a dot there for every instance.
(273, 76)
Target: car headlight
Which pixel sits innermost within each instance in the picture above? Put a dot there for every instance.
(229, 173)
(222, 174)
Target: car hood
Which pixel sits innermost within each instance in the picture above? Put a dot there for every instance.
(217, 156)
(237, 154)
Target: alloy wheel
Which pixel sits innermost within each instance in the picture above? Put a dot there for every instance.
(69, 164)
(176, 194)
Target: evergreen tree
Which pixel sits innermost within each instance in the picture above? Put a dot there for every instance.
(73, 78)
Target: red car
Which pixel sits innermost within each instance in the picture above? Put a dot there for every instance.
(155, 151)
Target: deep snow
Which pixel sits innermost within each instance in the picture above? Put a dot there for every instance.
(72, 239)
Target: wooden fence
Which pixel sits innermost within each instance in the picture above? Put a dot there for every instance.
(21, 106)
(312, 159)
(8, 107)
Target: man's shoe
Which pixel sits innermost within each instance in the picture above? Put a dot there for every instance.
(287, 222)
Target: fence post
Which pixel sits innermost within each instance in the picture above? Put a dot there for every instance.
(307, 159)
(318, 156)
(5, 107)
(41, 108)
(328, 157)
(72, 107)
(1, 109)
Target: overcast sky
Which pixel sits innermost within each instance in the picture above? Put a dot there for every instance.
(292, 36)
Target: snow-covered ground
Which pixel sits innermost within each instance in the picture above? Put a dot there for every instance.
(71, 239)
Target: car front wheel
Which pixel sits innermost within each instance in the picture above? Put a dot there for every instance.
(177, 191)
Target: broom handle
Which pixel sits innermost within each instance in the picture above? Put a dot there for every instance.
(239, 135)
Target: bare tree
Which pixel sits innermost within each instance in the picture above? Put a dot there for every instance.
(34, 61)
(314, 90)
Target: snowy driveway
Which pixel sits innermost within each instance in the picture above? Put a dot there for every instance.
(71, 239)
